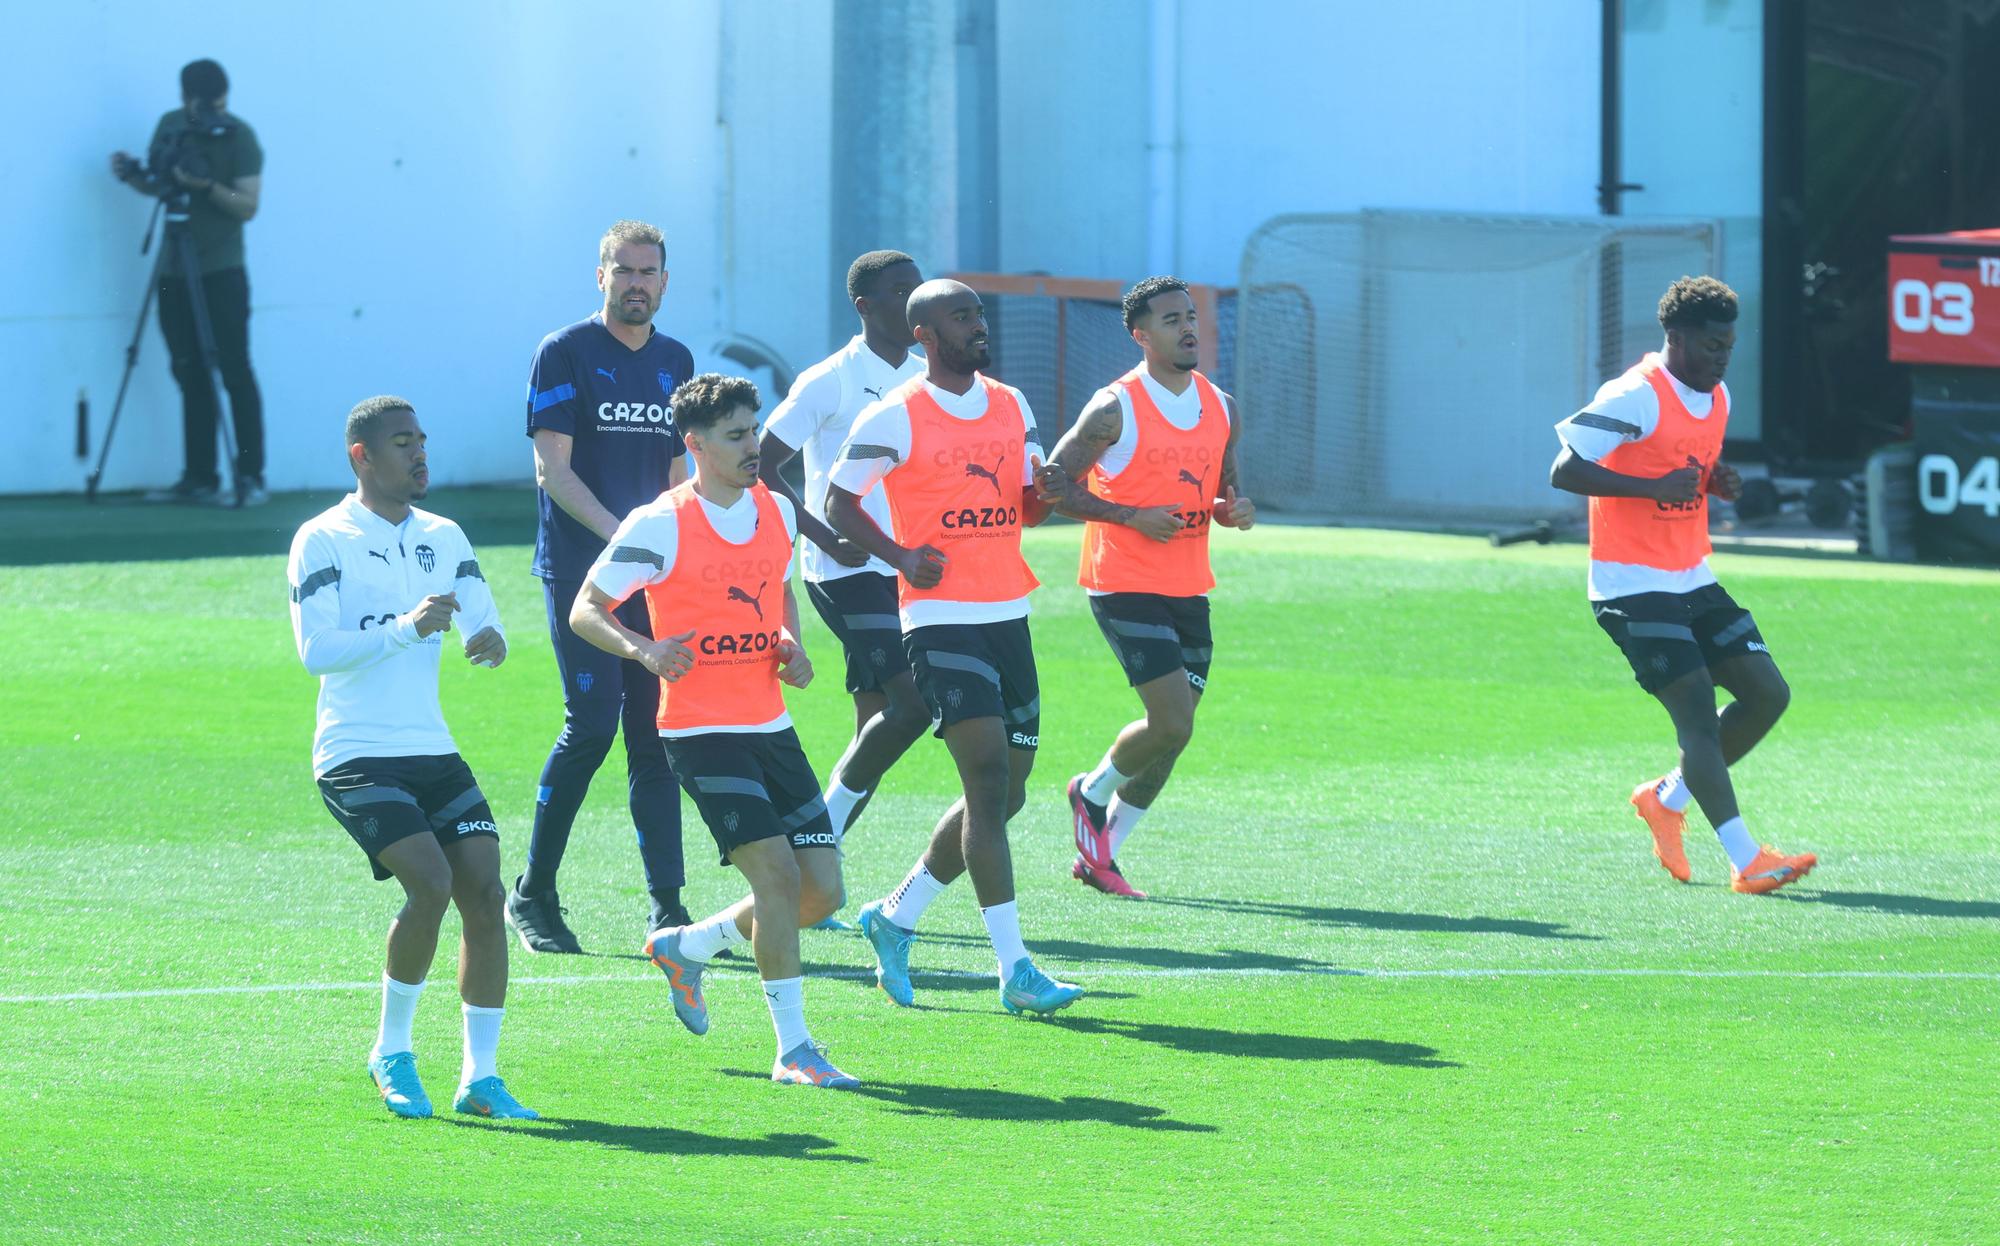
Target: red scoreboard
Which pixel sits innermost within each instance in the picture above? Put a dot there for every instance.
(1944, 298)
(1944, 316)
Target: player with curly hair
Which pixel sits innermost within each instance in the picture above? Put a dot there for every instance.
(1647, 453)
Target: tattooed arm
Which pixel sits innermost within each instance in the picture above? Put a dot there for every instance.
(1096, 430)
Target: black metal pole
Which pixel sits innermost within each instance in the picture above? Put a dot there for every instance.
(1784, 240)
(1610, 111)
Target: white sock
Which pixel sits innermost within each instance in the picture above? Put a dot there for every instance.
(1673, 792)
(482, 1043)
(1100, 783)
(1003, 926)
(786, 998)
(1737, 843)
(906, 904)
(840, 802)
(399, 1009)
(1122, 818)
(704, 939)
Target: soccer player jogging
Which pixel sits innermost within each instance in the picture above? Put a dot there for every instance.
(955, 453)
(713, 558)
(600, 412)
(1158, 448)
(1647, 452)
(375, 583)
(853, 592)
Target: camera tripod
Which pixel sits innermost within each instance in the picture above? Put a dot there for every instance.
(176, 253)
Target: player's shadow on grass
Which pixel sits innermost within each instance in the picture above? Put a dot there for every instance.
(1907, 906)
(1077, 952)
(925, 979)
(985, 1103)
(1203, 1041)
(662, 1140)
(1380, 919)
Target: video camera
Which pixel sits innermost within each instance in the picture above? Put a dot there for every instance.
(175, 148)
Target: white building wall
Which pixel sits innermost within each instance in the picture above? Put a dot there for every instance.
(436, 178)
(437, 174)
(1287, 106)
(1693, 97)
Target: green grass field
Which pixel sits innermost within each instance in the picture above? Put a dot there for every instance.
(1410, 973)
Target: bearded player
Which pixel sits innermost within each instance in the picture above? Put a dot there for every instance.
(956, 454)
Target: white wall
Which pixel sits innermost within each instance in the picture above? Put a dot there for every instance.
(1293, 106)
(438, 173)
(1694, 138)
(436, 178)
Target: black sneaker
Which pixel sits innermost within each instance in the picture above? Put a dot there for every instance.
(539, 922)
(666, 915)
(250, 491)
(186, 491)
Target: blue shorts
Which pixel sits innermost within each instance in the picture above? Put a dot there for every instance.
(599, 686)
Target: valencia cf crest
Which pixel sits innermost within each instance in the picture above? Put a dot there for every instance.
(583, 681)
(952, 696)
(427, 558)
(730, 820)
(666, 382)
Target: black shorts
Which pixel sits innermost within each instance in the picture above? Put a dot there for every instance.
(1667, 635)
(380, 800)
(860, 609)
(979, 670)
(752, 785)
(1155, 635)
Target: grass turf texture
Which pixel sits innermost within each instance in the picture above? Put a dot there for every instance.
(1380, 995)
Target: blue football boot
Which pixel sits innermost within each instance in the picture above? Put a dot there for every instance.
(807, 1065)
(396, 1077)
(892, 953)
(488, 1097)
(1028, 989)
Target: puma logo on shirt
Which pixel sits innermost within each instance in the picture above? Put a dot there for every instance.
(754, 602)
(992, 477)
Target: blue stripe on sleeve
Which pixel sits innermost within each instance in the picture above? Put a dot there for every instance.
(538, 403)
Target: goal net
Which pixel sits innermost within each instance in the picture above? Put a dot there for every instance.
(1409, 367)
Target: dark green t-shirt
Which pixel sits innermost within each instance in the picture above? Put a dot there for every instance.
(218, 236)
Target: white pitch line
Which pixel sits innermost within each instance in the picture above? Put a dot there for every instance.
(305, 988)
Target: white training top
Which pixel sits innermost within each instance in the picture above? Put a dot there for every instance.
(656, 529)
(1626, 409)
(886, 425)
(815, 419)
(356, 580)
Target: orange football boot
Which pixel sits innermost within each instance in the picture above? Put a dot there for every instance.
(1666, 826)
(1771, 871)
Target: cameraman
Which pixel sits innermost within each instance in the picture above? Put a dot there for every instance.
(212, 159)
